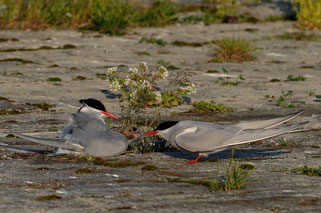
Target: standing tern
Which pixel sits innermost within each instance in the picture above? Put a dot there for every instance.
(205, 138)
(87, 132)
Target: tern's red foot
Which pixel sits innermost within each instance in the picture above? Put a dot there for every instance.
(194, 161)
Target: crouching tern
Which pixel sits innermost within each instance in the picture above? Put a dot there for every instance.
(87, 132)
(205, 138)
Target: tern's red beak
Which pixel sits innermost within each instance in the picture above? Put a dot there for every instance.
(110, 115)
(152, 132)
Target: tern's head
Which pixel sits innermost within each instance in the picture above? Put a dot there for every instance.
(95, 106)
(130, 132)
(161, 128)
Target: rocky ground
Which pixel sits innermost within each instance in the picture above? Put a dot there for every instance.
(30, 104)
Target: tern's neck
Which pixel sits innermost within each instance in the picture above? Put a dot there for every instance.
(165, 134)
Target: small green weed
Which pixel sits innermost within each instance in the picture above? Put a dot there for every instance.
(209, 107)
(190, 44)
(194, 181)
(66, 46)
(167, 65)
(310, 171)
(212, 71)
(5, 99)
(299, 36)
(311, 92)
(296, 78)
(142, 53)
(284, 103)
(153, 40)
(225, 81)
(8, 39)
(54, 79)
(235, 177)
(102, 76)
(84, 171)
(53, 129)
(15, 73)
(285, 143)
(79, 78)
(48, 197)
(235, 50)
(150, 167)
(11, 136)
(119, 164)
(275, 80)
(23, 61)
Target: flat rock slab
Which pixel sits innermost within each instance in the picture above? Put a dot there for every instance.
(25, 66)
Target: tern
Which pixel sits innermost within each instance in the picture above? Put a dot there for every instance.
(87, 132)
(205, 138)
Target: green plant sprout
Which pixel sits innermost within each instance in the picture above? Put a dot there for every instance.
(310, 171)
(153, 40)
(296, 78)
(209, 107)
(235, 177)
(282, 100)
(235, 50)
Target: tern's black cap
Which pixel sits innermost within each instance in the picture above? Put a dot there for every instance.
(166, 125)
(93, 103)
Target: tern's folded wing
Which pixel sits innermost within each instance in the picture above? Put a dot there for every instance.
(251, 135)
(100, 141)
(55, 142)
(267, 124)
(205, 138)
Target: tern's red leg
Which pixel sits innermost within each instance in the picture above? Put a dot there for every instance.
(194, 161)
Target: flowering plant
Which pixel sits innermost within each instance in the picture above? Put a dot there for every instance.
(138, 87)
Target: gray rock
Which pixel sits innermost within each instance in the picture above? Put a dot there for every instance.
(268, 10)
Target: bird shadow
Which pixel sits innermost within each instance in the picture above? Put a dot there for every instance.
(227, 154)
(110, 94)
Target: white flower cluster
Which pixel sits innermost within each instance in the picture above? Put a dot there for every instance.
(143, 66)
(158, 97)
(127, 81)
(112, 70)
(133, 95)
(114, 86)
(133, 71)
(189, 88)
(142, 84)
(163, 72)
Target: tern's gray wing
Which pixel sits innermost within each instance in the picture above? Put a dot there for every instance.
(68, 128)
(267, 124)
(100, 141)
(251, 135)
(56, 142)
(77, 125)
(203, 137)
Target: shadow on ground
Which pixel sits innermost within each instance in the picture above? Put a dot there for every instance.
(227, 154)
